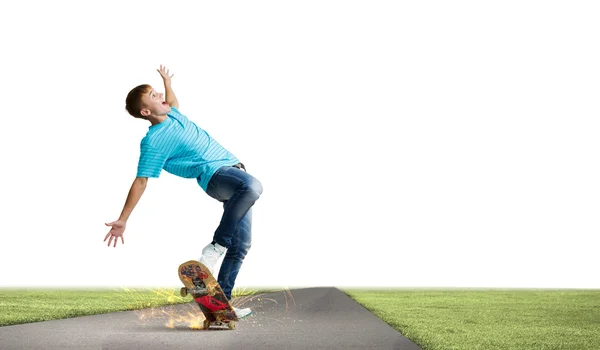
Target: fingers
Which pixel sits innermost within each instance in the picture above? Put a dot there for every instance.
(109, 232)
(115, 238)
(164, 72)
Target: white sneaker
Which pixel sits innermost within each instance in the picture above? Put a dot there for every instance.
(241, 313)
(211, 254)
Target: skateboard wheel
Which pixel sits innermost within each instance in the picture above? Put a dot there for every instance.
(231, 325)
(183, 291)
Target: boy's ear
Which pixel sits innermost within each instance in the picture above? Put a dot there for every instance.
(145, 112)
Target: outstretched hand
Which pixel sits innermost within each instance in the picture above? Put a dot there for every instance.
(116, 231)
(164, 73)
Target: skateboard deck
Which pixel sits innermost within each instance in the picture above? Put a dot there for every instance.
(207, 293)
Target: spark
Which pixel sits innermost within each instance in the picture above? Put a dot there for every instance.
(187, 313)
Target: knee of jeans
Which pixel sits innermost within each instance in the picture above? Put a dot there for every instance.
(255, 188)
(243, 250)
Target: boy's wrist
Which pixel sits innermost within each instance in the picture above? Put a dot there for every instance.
(125, 215)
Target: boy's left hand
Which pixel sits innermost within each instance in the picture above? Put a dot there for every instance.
(164, 73)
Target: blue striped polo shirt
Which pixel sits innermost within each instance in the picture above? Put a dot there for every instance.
(181, 148)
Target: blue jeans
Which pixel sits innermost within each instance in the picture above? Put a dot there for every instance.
(238, 191)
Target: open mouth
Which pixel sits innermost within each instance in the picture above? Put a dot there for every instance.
(165, 103)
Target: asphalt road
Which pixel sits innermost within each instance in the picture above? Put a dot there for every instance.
(312, 318)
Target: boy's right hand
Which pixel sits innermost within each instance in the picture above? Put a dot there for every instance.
(164, 73)
(116, 231)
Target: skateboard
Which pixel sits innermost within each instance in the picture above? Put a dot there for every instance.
(207, 293)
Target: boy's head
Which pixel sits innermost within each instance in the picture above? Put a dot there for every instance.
(143, 102)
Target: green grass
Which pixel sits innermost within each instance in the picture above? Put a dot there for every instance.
(34, 305)
(491, 319)
(30, 305)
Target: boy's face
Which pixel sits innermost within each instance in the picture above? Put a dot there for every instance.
(154, 104)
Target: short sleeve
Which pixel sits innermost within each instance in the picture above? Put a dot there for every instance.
(151, 161)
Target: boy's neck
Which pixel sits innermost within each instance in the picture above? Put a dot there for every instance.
(157, 119)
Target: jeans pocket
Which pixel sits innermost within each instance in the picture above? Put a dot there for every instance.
(211, 188)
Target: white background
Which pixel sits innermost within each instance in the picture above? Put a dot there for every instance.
(407, 144)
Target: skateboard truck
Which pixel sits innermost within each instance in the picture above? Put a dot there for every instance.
(195, 292)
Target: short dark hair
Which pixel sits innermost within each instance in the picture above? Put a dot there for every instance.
(133, 102)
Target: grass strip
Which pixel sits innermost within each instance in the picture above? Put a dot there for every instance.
(489, 319)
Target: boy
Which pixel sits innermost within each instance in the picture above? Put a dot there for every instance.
(180, 147)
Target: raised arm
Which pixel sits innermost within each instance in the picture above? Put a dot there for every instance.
(169, 94)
